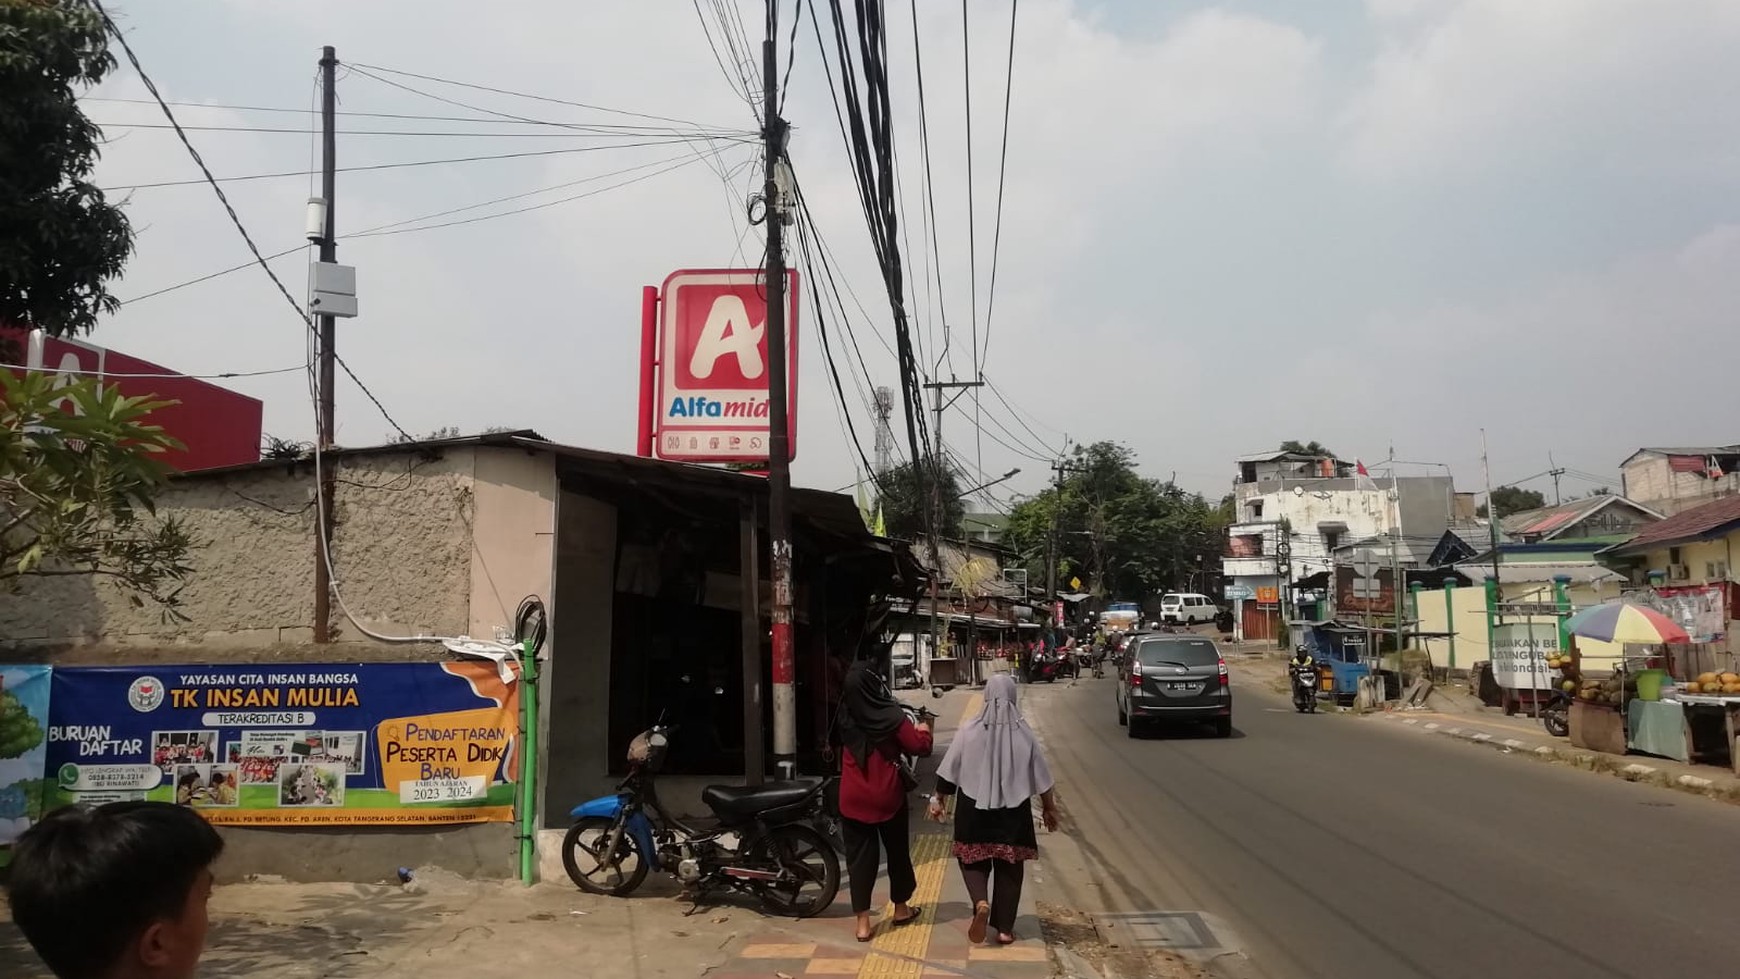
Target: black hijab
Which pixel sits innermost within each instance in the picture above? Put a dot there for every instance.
(870, 715)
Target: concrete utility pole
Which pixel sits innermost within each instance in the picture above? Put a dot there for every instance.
(936, 500)
(1555, 472)
(328, 353)
(1060, 469)
(779, 436)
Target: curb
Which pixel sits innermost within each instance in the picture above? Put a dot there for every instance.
(1617, 766)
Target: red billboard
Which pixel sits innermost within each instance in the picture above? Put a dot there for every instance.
(218, 426)
(706, 366)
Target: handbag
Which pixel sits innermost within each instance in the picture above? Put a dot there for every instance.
(908, 771)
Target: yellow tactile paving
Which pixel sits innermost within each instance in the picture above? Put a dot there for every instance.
(898, 953)
(777, 951)
(1008, 953)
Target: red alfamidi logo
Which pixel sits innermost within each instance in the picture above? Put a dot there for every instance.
(728, 350)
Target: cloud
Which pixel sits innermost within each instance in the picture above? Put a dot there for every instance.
(1483, 86)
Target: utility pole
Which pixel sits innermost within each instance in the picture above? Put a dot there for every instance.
(327, 352)
(1060, 469)
(779, 436)
(1555, 472)
(1494, 607)
(1396, 588)
(936, 505)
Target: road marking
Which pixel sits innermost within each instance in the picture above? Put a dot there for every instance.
(898, 953)
(1454, 732)
(1639, 770)
(1431, 725)
(1513, 743)
(1410, 720)
(1694, 782)
(1480, 736)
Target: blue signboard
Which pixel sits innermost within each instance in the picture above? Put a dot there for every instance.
(24, 722)
(289, 744)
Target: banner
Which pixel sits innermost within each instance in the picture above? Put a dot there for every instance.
(1701, 610)
(24, 724)
(290, 744)
(1519, 655)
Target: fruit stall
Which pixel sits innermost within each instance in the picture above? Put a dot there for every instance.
(1668, 697)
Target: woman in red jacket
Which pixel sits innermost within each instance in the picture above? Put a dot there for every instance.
(874, 733)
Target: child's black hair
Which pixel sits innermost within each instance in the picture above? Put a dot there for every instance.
(86, 882)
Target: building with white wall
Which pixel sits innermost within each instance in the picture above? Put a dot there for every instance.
(1292, 511)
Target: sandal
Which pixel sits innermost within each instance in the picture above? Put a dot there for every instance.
(1004, 938)
(909, 919)
(981, 920)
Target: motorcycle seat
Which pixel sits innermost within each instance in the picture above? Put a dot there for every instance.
(747, 800)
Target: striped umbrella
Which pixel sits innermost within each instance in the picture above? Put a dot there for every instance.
(1621, 622)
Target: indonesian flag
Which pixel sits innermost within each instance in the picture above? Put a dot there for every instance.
(1362, 476)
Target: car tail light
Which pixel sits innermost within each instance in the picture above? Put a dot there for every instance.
(1135, 673)
(1225, 680)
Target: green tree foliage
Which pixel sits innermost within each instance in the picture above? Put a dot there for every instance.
(1125, 536)
(19, 732)
(1512, 499)
(1312, 448)
(61, 241)
(904, 493)
(79, 468)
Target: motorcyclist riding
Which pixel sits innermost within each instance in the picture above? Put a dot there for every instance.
(1302, 656)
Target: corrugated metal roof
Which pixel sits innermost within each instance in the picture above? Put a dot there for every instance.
(1697, 523)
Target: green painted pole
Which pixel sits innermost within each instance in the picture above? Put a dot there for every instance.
(528, 763)
(1450, 617)
(1414, 588)
(1491, 610)
(1562, 602)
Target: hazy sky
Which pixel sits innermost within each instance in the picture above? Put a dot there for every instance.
(1375, 224)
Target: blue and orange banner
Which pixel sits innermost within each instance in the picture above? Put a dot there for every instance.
(289, 744)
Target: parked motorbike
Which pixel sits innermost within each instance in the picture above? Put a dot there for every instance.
(1305, 679)
(763, 840)
(1556, 714)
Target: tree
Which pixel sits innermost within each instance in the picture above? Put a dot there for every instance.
(1513, 499)
(904, 493)
(79, 468)
(61, 241)
(19, 732)
(1124, 535)
(1312, 448)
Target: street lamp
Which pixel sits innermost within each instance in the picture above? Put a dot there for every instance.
(1011, 474)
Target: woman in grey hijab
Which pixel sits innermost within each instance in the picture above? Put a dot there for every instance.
(993, 770)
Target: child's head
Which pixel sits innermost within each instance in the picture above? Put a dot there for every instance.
(117, 891)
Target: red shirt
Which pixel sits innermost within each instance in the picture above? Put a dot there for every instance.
(873, 794)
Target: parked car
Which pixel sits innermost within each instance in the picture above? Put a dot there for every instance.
(1187, 608)
(1173, 678)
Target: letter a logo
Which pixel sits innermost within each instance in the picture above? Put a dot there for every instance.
(728, 331)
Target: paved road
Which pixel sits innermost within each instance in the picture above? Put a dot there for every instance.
(1355, 849)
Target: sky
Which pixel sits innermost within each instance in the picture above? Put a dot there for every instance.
(1385, 225)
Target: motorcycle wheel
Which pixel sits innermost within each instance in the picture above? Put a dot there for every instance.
(1557, 722)
(586, 839)
(809, 862)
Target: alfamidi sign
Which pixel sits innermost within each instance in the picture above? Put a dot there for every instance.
(704, 367)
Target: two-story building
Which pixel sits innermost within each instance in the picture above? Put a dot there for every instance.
(1293, 511)
(1671, 479)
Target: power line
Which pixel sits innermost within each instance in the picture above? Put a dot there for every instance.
(164, 376)
(734, 75)
(503, 120)
(575, 132)
(972, 233)
(382, 228)
(365, 69)
(403, 165)
(1002, 171)
(229, 209)
(929, 187)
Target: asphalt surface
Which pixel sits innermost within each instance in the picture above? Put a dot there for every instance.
(1352, 848)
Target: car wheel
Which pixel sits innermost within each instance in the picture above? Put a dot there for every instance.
(1134, 729)
(1223, 727)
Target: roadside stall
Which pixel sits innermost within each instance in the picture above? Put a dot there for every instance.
(1669, 697)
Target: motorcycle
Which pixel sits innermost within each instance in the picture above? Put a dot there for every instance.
(1305, 677)
(763, 840)
(1556, 714)
(1044, 667)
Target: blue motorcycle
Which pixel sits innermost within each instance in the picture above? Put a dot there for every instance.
(762, 840)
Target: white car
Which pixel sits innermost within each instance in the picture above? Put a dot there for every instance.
(1187, 608)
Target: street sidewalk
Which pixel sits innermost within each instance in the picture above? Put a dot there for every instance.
(441, 926)
(936, 944)
(1457, 715)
